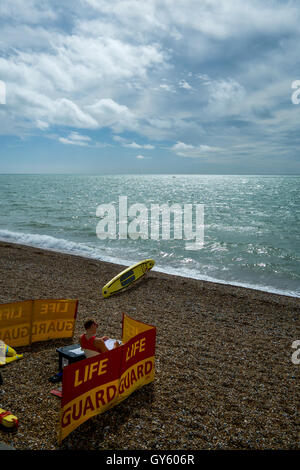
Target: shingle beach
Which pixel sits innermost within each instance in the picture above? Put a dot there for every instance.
(224, 372)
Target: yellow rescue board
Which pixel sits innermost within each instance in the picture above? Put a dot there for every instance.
(7, 419)
(127, 277)
(8, 354)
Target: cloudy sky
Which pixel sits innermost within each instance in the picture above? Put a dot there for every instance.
(162, 86)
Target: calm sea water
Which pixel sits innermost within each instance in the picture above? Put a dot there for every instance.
(251, 223)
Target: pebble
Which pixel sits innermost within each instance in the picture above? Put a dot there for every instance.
(227, 402)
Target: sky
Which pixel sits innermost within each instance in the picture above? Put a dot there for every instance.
(162, 86)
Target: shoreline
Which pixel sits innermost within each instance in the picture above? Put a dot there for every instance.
(224, 376)
(117, 262)
(223, 284)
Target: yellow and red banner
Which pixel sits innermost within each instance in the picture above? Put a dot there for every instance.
(23, 323)
(96, 384)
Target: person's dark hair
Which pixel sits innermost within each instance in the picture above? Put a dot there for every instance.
(88, 323)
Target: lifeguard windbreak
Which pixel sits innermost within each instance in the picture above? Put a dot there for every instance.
(97, 384)
(23, 323)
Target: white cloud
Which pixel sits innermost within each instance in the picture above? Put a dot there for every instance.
(169, 71)
(43, 111)
(220, 19)
(140, 157)
(138, 146)
(75, 139)
(31, 11)
(223, 96)
(108, 113)
(76, 136)
(191, 151)
(185, 84)
(217, 19)
(226, 90)
(67, 113)
(118, 138)
(166, 87)
(76, 81)
(133, 145)
(125, 143)
(42, 124)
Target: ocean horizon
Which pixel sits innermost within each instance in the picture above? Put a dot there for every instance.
(251, 223)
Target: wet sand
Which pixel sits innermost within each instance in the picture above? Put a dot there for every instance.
(224, 372)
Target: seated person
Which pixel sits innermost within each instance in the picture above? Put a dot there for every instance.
(91, 344)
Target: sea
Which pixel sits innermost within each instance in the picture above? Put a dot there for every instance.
(250, 224)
